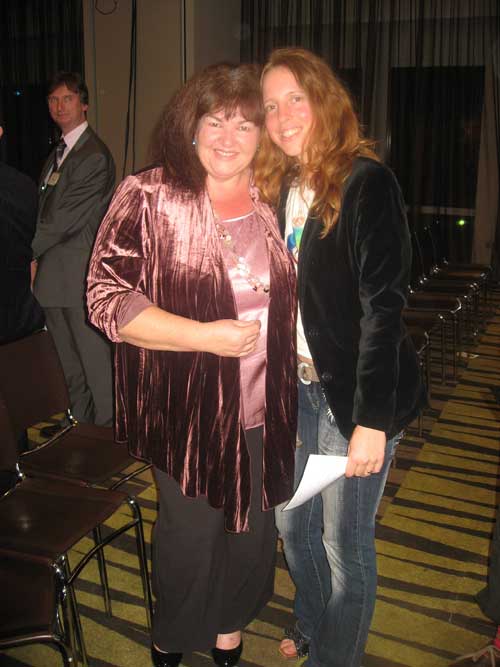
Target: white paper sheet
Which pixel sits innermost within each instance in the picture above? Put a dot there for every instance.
(320, 472)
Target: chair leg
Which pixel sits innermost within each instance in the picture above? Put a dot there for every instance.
(68, 660)
(65, 641)
(68, 615)
(454, 336)
(469, 323)
(477, 297)
(143, 561)
(79, 642)
(424, 361)
(103, 572)
(428, 373)
(443, 351)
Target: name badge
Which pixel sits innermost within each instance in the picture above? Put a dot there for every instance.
(54, 177)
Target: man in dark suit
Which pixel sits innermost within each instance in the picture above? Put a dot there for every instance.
(76, 184)
(20, 313)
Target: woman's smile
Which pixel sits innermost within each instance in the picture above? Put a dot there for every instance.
(289, 116)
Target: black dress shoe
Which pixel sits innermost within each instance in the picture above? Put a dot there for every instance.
(227, 657)
(161, 659)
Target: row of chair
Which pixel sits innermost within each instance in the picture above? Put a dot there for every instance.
(446, 302)
(51, 500)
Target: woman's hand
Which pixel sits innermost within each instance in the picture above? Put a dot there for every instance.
(231, 338)
(366, 452)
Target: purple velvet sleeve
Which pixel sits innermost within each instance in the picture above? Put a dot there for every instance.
(132, 306)
(116, 279)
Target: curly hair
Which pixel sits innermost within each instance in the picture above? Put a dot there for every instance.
(335, 139)
(221, 87)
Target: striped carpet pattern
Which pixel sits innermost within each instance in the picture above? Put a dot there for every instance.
(433, 534)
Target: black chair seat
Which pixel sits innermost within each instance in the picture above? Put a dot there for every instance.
(61, 512)
(77, 457)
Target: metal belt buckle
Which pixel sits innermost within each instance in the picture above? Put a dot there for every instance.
(302, 371)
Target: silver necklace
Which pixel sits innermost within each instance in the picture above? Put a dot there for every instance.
(237, 261)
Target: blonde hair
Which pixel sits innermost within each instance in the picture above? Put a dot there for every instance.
(334, 142)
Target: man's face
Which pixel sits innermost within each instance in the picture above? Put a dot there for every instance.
(66, 109)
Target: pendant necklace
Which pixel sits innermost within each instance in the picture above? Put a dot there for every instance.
(236, 260)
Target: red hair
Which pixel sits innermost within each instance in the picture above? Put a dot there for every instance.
(334, 142)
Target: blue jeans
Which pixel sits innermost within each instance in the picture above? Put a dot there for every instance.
(329, 544)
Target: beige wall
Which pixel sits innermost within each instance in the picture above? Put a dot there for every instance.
(107, 64)
(174, 37)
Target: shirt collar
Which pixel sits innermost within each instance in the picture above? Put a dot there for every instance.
(72, 137)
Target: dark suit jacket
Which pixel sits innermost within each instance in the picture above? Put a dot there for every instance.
(352, 289)
(20, 313)
(68, 218)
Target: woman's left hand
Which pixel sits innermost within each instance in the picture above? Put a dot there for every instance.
(366, 452)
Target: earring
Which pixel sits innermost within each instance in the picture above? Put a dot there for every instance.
(194, 142)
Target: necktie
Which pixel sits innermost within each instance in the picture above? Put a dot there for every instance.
(59, 153)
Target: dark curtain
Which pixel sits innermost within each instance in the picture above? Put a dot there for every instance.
(425, 78)
(37, 38)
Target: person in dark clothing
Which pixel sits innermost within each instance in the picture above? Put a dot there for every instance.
(342, 215)
(20, 312)
(76, 184)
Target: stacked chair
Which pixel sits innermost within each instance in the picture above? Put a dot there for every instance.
(434, 281)
(34, 593)
(444, 301)
(55, 502)
(478, 273)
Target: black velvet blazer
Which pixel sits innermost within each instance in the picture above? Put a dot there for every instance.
(20, 312)
(352, 288)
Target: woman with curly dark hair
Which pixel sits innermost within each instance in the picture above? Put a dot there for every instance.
(190, 277)
(343, 217)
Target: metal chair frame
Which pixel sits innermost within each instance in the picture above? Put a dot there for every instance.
(25, 542)
(60, 631)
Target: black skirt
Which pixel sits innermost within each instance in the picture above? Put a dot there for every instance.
(208, 581)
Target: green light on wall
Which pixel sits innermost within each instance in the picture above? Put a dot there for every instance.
(461, 222)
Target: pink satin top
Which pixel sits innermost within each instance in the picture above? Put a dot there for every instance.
(248, 241)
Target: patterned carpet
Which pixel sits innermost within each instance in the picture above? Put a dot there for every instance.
(432, 539)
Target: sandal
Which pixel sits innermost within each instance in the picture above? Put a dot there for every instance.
(298, 644)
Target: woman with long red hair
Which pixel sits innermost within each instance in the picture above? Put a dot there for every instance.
(342, 215)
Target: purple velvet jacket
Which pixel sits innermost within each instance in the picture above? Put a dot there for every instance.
(180, 410)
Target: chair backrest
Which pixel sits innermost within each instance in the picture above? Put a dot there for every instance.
(32, 382)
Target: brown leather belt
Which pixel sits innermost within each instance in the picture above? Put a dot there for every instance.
(306, 371)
